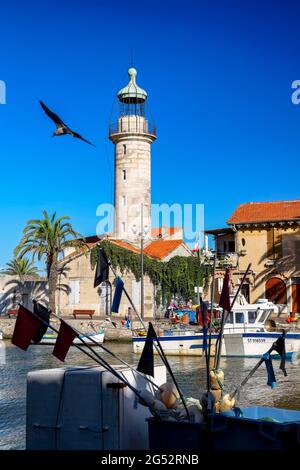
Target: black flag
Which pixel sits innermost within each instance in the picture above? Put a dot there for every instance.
(146, 362)
(101, 273)
(44, 314)
(279, 346)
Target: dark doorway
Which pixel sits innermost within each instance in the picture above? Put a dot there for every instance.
(246, 292)
(105, 299)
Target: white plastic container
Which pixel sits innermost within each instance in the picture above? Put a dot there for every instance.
(86, 408)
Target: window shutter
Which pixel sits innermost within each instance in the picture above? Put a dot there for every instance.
(74, 295)
(77, 292)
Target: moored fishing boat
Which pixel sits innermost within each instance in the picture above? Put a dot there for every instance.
(90, 338)
(248, 332)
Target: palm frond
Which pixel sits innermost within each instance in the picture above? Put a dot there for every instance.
(47, 238)
(21, 267)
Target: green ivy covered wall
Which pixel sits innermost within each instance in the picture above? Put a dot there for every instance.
(176, 277)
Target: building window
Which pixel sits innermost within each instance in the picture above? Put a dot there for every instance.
(252, 316)
(124, 175)
(123, 227)
(74, 293)
(246, 291)
(124, 149)
(229, 246)
(124, 200)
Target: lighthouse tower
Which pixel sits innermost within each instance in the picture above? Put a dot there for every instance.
(132, 136)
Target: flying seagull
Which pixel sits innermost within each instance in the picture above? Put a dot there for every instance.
(61, 127)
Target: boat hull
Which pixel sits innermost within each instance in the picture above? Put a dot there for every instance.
(88, 339)
(188, 345)
(234, 344)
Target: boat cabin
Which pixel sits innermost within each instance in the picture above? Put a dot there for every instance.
(247, 320)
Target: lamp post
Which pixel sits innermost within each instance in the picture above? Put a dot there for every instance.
(141, 234)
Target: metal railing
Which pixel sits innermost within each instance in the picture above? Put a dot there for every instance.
(132, 126)
(228, 259)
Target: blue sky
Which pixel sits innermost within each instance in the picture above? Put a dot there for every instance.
(218, 75)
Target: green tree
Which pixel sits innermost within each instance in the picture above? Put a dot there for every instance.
(20, 267)
(47, 239)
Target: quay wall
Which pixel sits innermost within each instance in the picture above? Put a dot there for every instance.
(119, 334)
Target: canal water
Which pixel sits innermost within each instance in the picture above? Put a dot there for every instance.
(189, 372)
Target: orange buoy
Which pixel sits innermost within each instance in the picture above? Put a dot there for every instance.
(168, 394)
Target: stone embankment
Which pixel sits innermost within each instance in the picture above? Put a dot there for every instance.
(119, 333)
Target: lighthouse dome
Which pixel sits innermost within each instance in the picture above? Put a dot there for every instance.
(132, 93)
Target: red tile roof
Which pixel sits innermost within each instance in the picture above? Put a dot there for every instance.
(126, 245)
(155, 249)
(266, 212)
(93, 239)
(161, 248)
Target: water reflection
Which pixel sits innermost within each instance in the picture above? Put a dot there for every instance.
(189, 371)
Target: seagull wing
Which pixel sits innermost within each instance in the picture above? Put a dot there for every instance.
(78, 136)
(56, 119)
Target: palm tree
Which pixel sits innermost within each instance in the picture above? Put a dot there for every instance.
(48, 238)
(20, 267)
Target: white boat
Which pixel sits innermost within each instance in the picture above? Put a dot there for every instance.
(50, 338)
(248, 332)
(1, 335)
